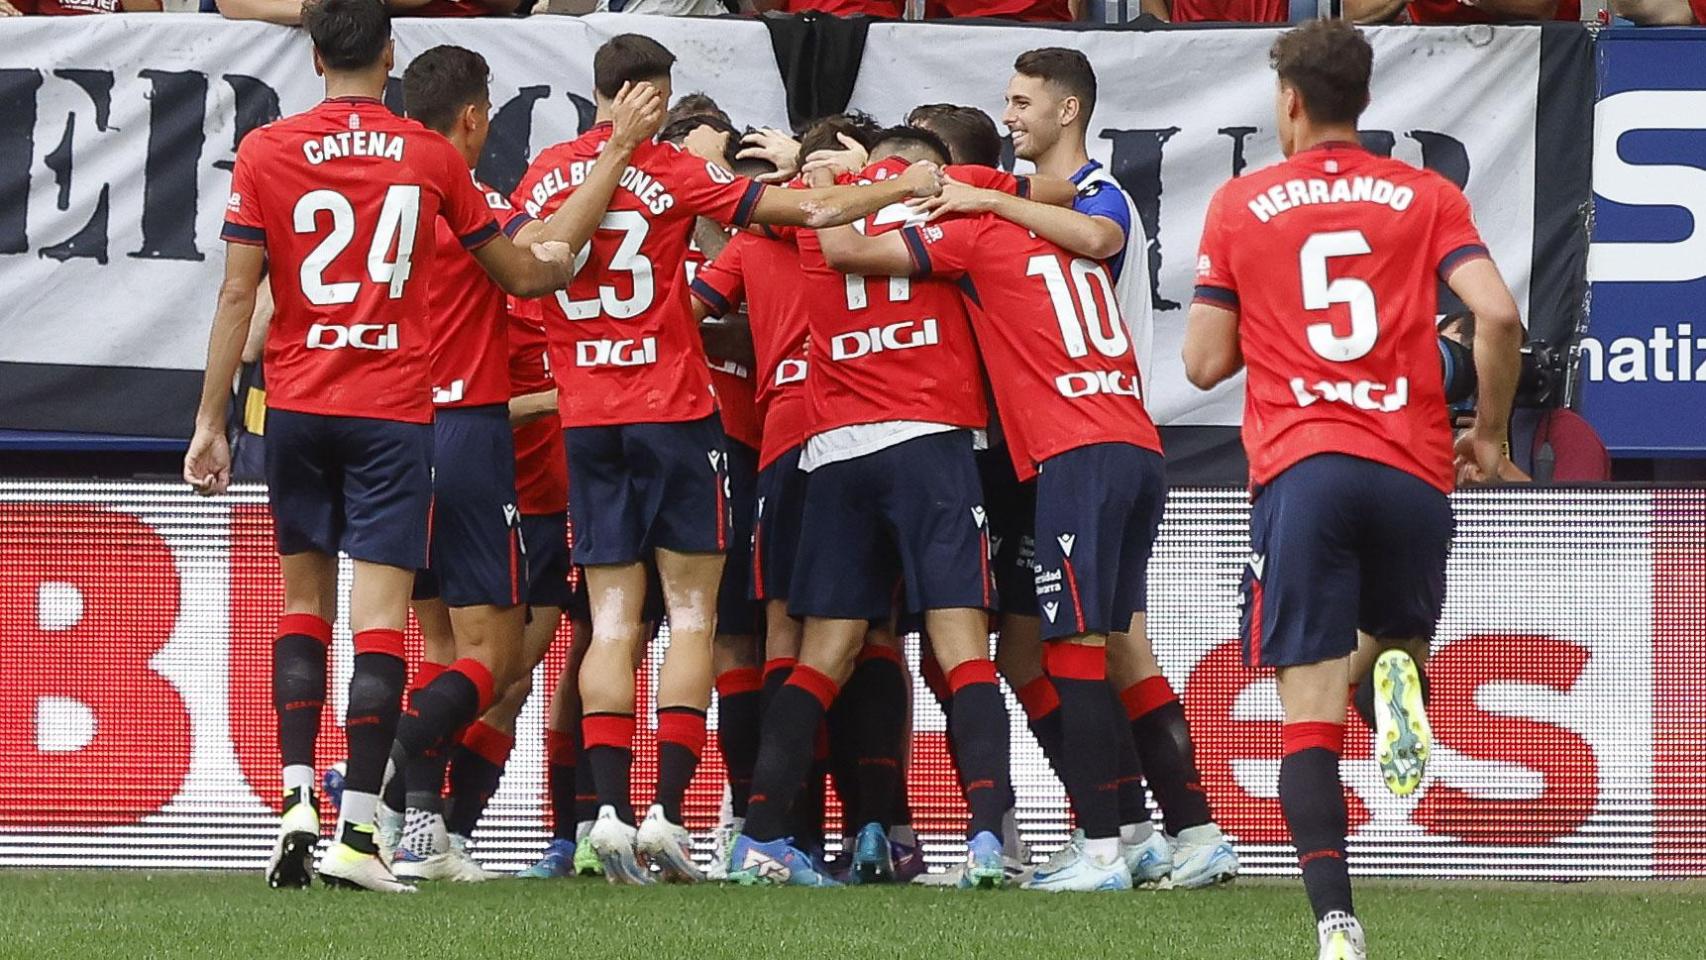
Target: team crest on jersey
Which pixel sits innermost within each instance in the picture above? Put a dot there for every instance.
(235, 202)
(718, 173)
(1204, 265)
(931, 233)
(355, 121)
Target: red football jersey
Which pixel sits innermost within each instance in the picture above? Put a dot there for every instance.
(1032, 11)
(1456, 11)
(764, 273)
(470, 318)
(65, 8)
(892, 9)
(1331, 259)
(345, 197)
(886, 348)
(1232, 11)
(624, 344)
(541, 466)
(736, 389)
(1060, 361)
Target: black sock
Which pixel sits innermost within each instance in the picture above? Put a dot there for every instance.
(1042, 715)
(586, 789)
(1362, 698)
(808, 819)
(476, 767)
(978, 726)
(681, 738)
(1133, 798)
(370, 726)
(299, 685)
(739, 716)
(881, 736)
(841, 726)
(609, 753)
(1313, 800)
(561, 770)
(439, 711)
(785, 751)
(1087, 714)
(1169, 760)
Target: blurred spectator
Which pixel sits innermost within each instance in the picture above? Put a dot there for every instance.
(893, 9)
(1034, 11)
(287, 12)
(1460, 11)
(1223, 11)
(452, 8)
(1661, 13)
(68, 8)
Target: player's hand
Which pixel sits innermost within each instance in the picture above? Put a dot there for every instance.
(775, 148)
(819, 176)
(851, 158)
(207, 463)
(558, 254)
(923, 179)
(636, 113)
(708, 143)
(956, 198)
(7, 10)
(1481, 458)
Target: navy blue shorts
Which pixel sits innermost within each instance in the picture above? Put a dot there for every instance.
(546, 537)
(737, 614)
(638, 487)
(354, 484)
(1098, 511)
(1338, 544)
(477, 556)
(776, 526)
(913, 511)
(1012, 509)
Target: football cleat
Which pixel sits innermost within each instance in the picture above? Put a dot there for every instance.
(908, 860)
(776, 863)
(1341, 937)
(721, 840)
(388, 831)
(1402, 738)
(586, 861)
(1073, 870)
(873, 858)
(1202, 857)
(473, 872)
(558, 861)
(667, 846)
(613, 843)
(291, 865)
(985, 867)
(1150, 862)
(346, 867)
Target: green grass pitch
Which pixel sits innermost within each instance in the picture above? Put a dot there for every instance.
(119, 914)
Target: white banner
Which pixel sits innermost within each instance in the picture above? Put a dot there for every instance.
(129, 125)
(1177, 109)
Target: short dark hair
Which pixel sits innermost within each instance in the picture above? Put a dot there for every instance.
(697, 104)
(676, 132)
(1328, 63)
(628, 58)
(442, 81)
(348, 34)
(969, 132)
(822, 134)
(916, 137)
(1064, 67)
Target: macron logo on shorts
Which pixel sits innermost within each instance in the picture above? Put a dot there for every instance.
(1050, 609)
(1066, 540)
(512, 516)
(978, 516)
(1258, 563)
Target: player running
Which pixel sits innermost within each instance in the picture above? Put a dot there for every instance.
(338, 201)
(1066, 383)
(645, 449)
(1319, 273)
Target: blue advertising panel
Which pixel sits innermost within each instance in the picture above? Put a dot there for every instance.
(1643, 360)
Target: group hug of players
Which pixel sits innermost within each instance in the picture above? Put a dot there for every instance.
(457, 380)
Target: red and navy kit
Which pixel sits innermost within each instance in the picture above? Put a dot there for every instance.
(1333, 276)
(344, 197)
(1232, 11)
(1456, 11)
(541, 470)
(66, 8)
(1031, 11)
(1066, 382)
(892, 9)
(733, 382)
(470, 313)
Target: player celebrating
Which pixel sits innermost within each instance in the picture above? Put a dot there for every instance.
(338, 201)
(1319, 272)
(646, 452)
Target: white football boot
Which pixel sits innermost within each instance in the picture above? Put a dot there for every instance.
(668, 846)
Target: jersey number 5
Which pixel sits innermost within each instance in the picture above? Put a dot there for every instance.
(1320, 293)
(396, 229)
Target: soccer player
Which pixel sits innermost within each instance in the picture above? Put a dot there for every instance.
(338, 201)
(1049, 103)
(1066, 383)
(894, 393)
(646, 452)
(1319, 273)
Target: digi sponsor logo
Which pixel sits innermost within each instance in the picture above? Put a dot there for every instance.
(1090, 383)
(905, 335)
(360, 336)
(1363, 395)
(616, 353)
(790, 371)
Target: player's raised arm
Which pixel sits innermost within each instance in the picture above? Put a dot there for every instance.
(833, 206)
(207, 463)
(1498, 363)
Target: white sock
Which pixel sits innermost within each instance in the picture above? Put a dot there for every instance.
(1132, 834)
(1102, 850)
(1011, 844)
(1207, 833)
(905, 836)
(298, 776)
(358, 808)
(582, 828)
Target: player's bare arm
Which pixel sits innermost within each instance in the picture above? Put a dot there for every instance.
(1372, 11)
(849, 251)
(207, 463)
(729, 338)
(636, 114)
(1498, 342)
(532, 406)
(1212, 353)
(833, 206)
(285, 12)
(1655, 13)
(1159, 9)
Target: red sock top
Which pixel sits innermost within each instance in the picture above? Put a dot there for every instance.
(559, 749)
(683, 726)
(1310, 734)
(490, 743)
(739, 680)
(389, 642)
(1039, 698)
(778, 663)
(970, 672)
(1148, 695)
(425, 674)
(608, 730)
(1075, 661)
(815, 683)
(480, 676)
(305, 624)
(878, 651)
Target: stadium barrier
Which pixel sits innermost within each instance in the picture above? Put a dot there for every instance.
(136, 726)
(117, 135)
